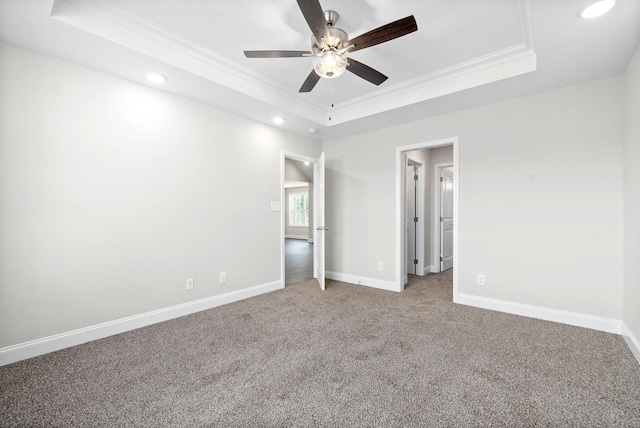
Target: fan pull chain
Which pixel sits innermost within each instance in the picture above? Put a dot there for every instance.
(331, 93)
(331, 84)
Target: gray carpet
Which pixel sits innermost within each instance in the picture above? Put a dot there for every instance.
(349, 356)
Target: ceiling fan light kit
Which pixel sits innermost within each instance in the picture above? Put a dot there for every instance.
(329, 65)
(330, 44)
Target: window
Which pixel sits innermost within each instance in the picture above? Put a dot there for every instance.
(299, 209)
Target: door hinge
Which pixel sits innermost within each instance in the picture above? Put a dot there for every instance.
(440, 258)
(441, 179)
(441, 218)
(415, 177)
(415, 219)
(415, 261)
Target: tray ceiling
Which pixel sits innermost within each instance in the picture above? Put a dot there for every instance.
(464, 53)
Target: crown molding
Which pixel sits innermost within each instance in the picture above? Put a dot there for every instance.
(509, 62)
(498, 65)
(109, 21)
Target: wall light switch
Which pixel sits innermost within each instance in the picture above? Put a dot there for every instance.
(275, 206)
(190, 284)
(223, 277)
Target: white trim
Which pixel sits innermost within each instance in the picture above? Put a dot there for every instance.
(33, 348)
(429, 269)
(632, 341)
(456, 206)
(399, 285)
(361, 280)
(116, 24)
(305, 237)
(608, 325)
(495, 66)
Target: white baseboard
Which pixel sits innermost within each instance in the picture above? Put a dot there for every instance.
(632, 341)
(305, 237)
(22, 351)
(360, 280)
(572, 318)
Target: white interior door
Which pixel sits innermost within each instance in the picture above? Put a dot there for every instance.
(319, 226)
(446, 219)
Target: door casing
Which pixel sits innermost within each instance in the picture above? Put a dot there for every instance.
(400, 207)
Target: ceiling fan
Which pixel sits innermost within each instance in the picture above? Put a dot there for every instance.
(329, 45)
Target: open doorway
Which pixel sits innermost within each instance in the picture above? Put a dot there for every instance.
(433, 248)
(298, 223)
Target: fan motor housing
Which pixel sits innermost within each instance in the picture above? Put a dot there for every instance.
(336, 41)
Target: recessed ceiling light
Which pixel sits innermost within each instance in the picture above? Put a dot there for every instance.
(313, 131)
(156, 78)
(278, 120)
(597, 8)
(306, 163)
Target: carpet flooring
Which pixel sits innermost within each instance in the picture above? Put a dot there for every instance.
(350, 356)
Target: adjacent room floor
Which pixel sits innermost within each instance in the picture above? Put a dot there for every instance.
(298, 260)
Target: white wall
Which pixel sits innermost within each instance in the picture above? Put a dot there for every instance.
(112, 194)
(540, 198)
(292, 172)
(632, 200)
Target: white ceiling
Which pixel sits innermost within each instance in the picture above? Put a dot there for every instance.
(465, 52)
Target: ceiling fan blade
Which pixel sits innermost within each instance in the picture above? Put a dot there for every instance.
(366, 72)
(276, 54)
(310, 83)
(314, 15)
(391, 31)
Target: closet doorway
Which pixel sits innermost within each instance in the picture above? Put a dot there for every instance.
(432, 248)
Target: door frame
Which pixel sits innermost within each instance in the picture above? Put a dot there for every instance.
(437, 191)
(400, 206)
(283, 206)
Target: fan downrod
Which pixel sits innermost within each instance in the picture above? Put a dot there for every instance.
(331, 16)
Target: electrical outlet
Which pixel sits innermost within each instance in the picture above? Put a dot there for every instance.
(223, 277)
(190, 284)
(380, 266)
(480, 279)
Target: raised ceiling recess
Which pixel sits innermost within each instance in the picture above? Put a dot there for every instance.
(460, 45)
